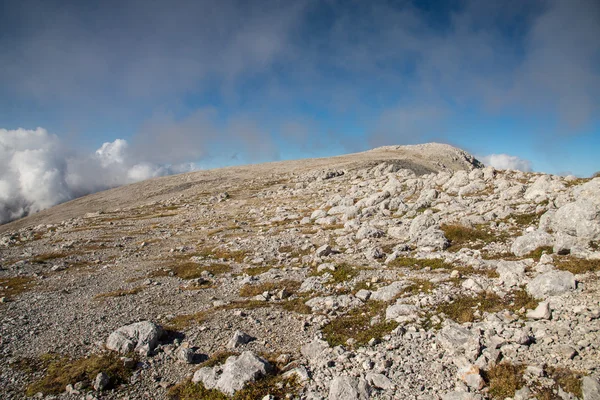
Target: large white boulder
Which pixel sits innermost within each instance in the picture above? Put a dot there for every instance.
(141, 337)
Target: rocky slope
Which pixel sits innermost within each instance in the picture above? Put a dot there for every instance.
(403, 272)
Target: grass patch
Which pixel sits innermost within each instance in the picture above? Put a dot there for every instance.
(297, 305)
(120, 293)
(62, 370)
(523, 219)
(181, 322)
(419, 263)
(273, 385)
(218, 358)
(418, 286)
(253, 271)
(191, 270)
(44, 258)
(537, 253)
(578, 181)
(342, 273)
(356, 324)
(463, 308)
(254, 290)
(225, 254)
(467, 270)
(577, 265)
(461, 236)
(504, 380)
(568, 380)
(10, 287)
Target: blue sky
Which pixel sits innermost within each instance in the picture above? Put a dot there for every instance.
(233, 82)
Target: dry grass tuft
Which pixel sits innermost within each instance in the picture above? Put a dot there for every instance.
(190, 270)
(356, 324)
(419, 263)
(120, 293)
(253, 271)
(45, 257)
(272, 385)
(504, 380)
(62, 370)
(343, 272)
(10, 287)
(461, 236)
(537, 253)
(254, 290)
(463, 308)
(577, 265)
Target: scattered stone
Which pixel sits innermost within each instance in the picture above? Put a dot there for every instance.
(551, 284)
(348, 388)
(101, 382)
(140, 336)
(323, 251)
(542, 311)
(531, 241)
(239, 338)
(590, 388)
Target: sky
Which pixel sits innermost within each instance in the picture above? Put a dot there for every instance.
(98, 94)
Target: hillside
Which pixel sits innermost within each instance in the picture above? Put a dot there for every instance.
(401, 272)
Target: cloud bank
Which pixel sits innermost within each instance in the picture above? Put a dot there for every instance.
(37, 171)
(505, 161)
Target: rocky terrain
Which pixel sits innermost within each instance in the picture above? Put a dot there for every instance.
(406, 272)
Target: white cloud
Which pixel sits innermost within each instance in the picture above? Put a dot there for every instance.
(505, 161)
(37, 171)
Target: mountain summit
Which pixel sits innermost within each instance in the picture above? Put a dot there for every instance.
(400, 272)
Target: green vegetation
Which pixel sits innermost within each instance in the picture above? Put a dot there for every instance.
(62, 370)
(356, 324)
